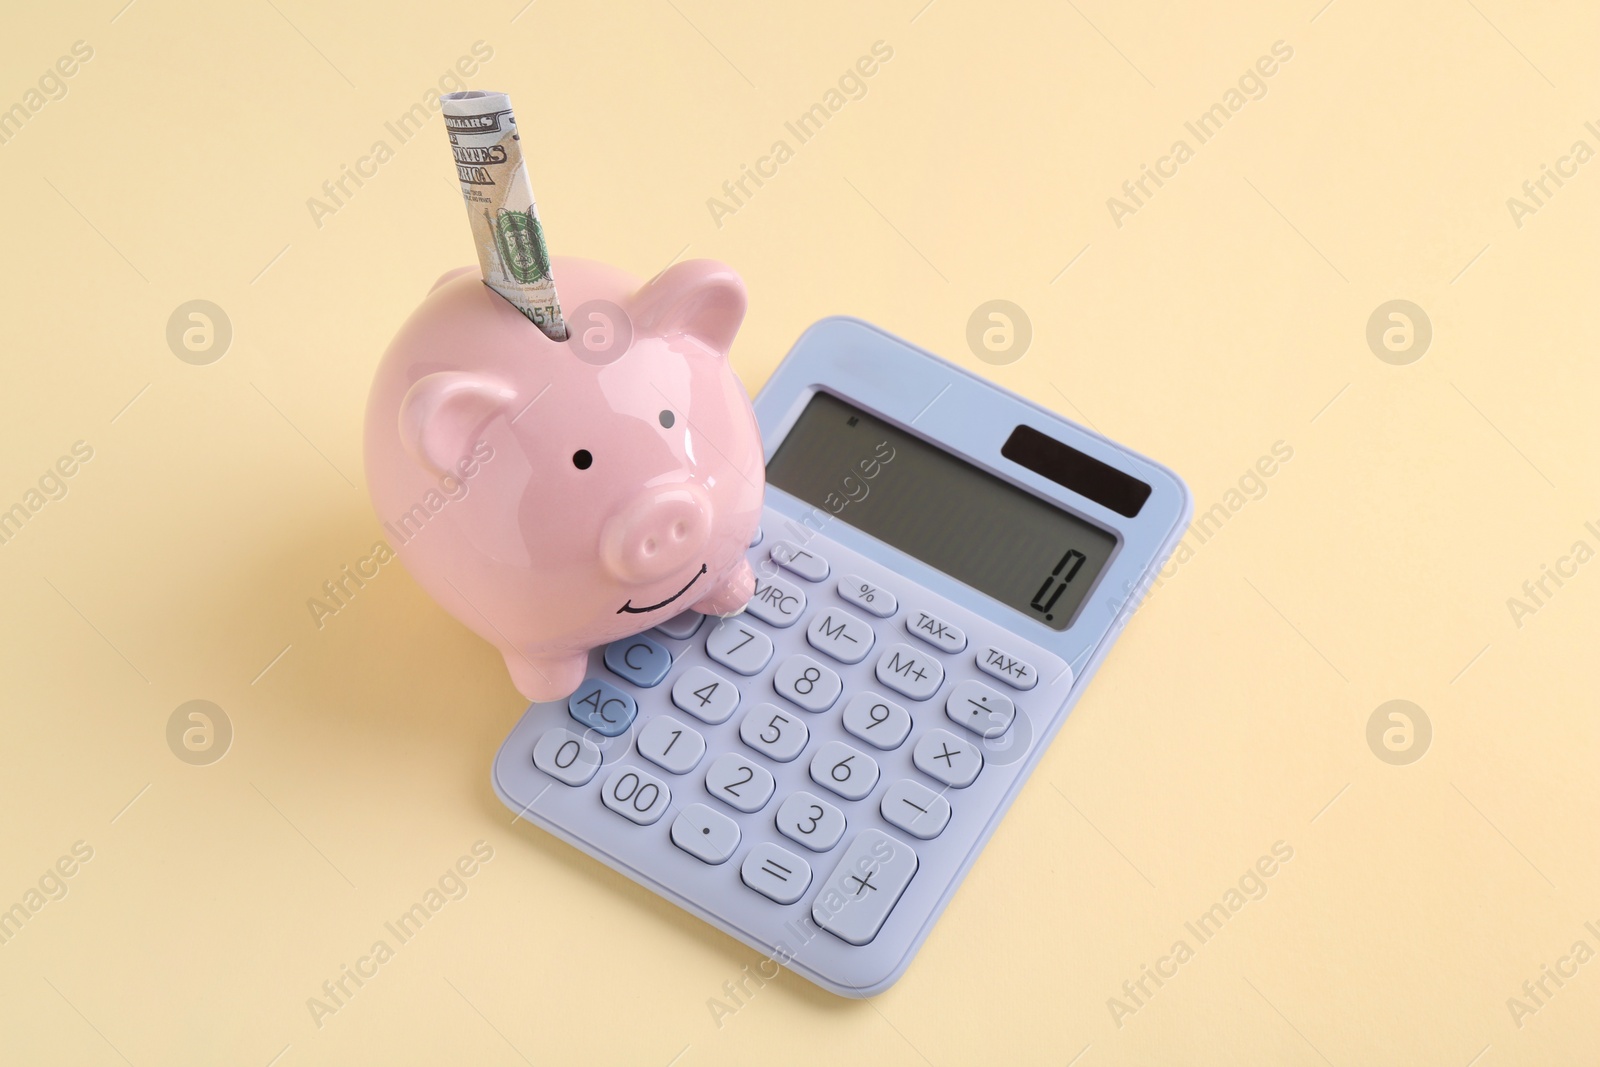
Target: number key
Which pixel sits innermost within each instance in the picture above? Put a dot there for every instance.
(739, 783)
(807, 683)
(810, 820)
(876, 720)
(847, 771)
(671, 745)
(567, 757)
(705, 694)
(738, 647)
(636, 796)
(772, 731)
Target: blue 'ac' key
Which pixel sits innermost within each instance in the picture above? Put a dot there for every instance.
(602, 707)
(638, 659)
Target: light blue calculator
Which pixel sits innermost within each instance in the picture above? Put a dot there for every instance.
(941, 567)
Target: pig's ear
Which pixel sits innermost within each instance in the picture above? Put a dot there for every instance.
(701, 297)
(444, 414)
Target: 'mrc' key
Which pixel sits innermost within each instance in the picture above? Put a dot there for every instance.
(776, 602)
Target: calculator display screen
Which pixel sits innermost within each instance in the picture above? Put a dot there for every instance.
(980, 530)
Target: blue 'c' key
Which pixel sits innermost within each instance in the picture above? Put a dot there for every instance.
(602, 707)
(638, 659)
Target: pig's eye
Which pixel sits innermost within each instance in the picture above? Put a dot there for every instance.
(666, 419)
(581, 459)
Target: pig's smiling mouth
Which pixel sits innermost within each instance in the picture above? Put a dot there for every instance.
(631, 610)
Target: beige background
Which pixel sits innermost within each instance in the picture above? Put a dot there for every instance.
(1227, 314)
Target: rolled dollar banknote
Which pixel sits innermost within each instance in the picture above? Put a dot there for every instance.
(499, 198)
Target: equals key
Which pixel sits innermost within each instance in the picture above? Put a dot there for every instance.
(776, 873)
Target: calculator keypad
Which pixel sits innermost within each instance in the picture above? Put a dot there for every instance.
(823, 696)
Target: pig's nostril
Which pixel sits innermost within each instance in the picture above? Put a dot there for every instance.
(650, 546)
(679, 531)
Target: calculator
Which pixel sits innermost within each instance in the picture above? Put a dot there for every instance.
(940, 568)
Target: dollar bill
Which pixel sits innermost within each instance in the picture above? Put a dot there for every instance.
(499, 198)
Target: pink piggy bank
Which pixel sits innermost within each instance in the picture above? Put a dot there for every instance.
(558, 496)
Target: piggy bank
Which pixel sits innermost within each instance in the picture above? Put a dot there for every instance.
(556, 496)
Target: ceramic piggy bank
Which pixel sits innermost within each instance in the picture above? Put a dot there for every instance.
(557, 496)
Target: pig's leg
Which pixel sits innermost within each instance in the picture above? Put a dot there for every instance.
(732, 594)
(546, 677)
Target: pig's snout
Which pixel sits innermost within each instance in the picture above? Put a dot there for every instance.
(659, 532)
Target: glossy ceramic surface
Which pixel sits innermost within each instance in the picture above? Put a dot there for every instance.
(557, 496)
